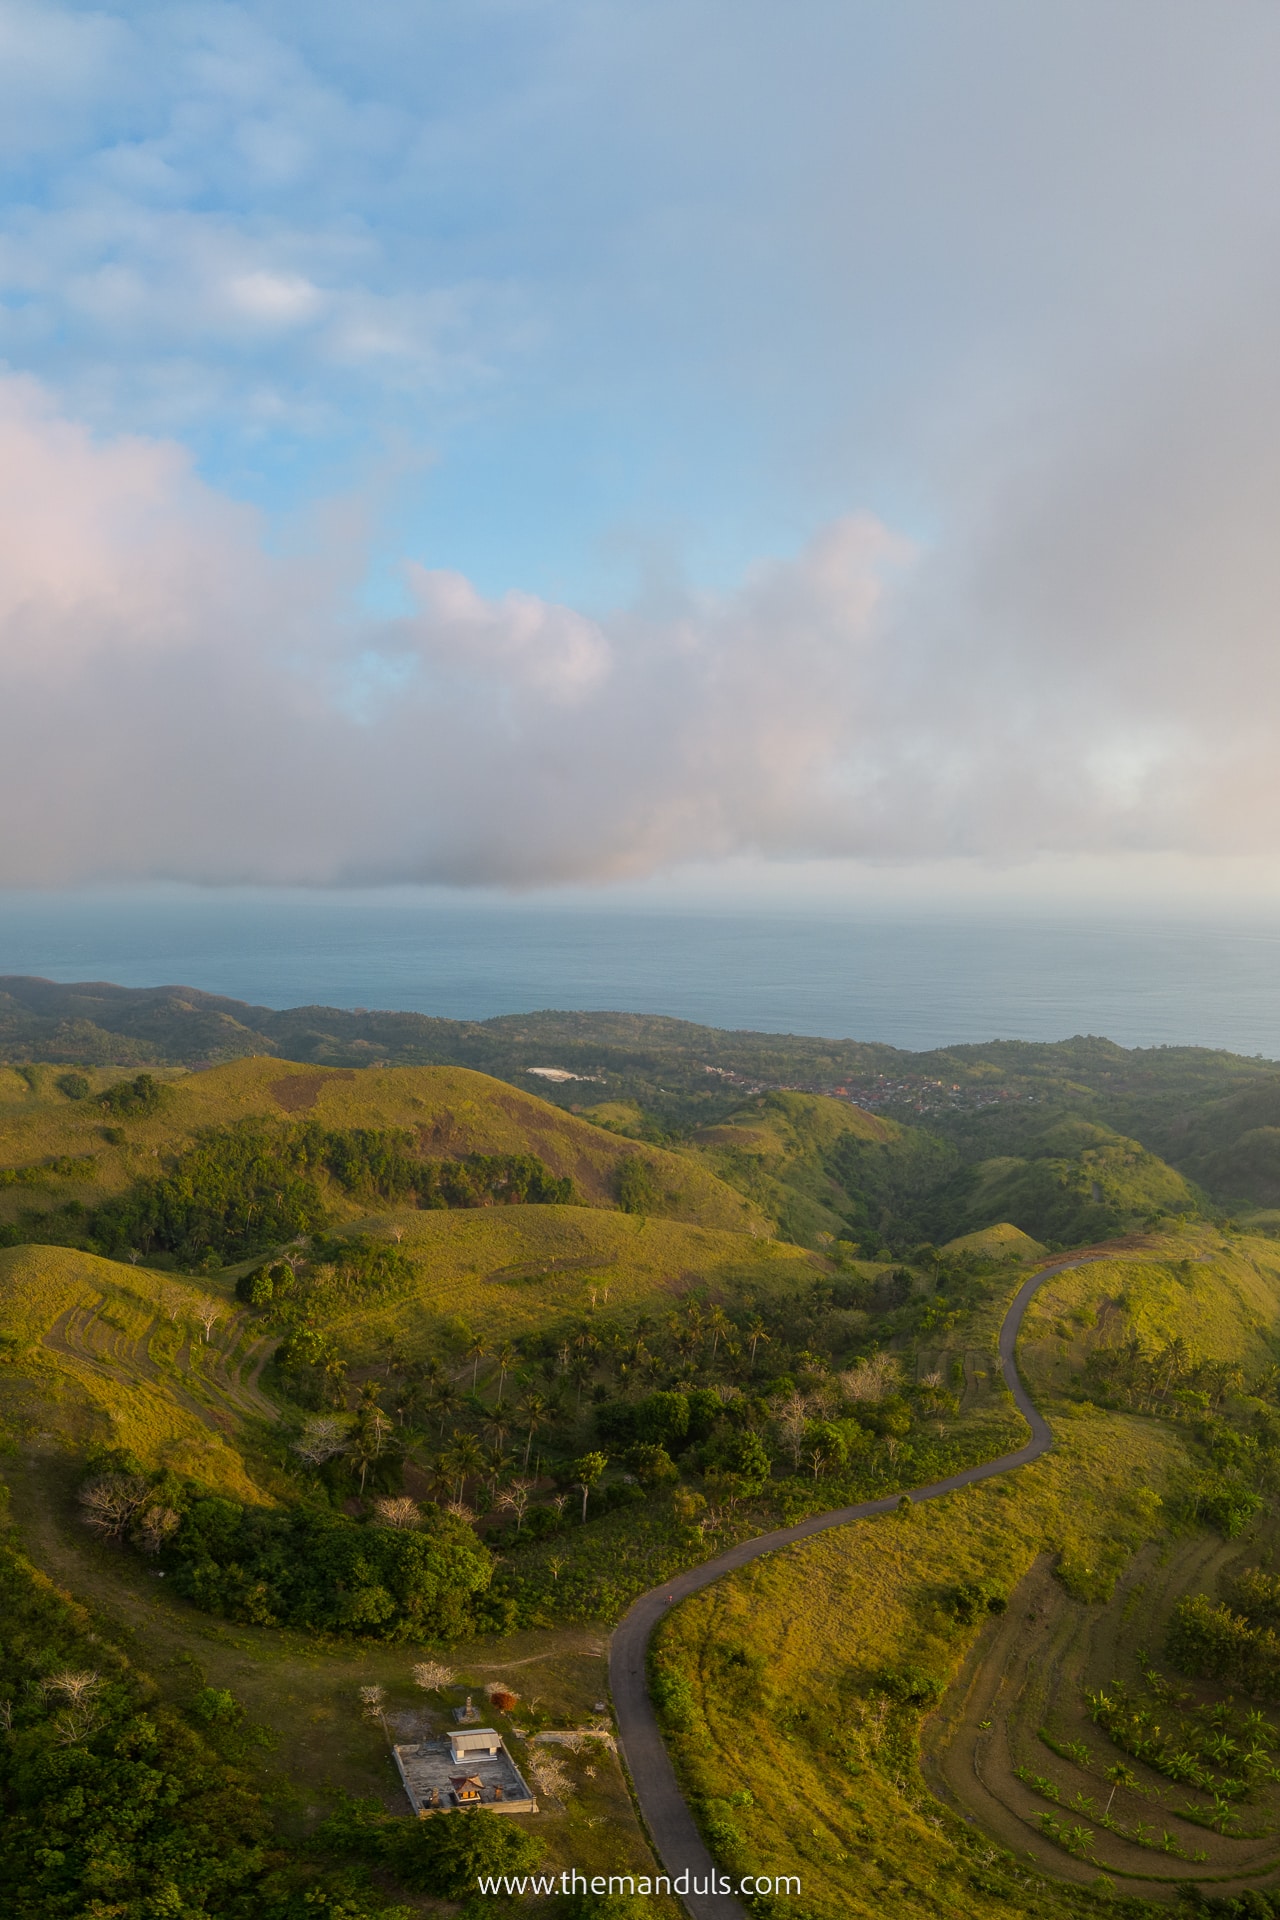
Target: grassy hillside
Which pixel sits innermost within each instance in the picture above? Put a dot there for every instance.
(510, 1271)
(821, 1167)
(1076, 1183)
(99, 1354)
(55, 1148)
(795, 1690)
(779, 1150)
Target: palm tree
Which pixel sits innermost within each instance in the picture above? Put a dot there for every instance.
(496, 1462)
(465, 1457)
(446, 1400)
(717, 1322)
(475, 1354)
(506, 1357)
(534, 1411)
(580, 1371)
(757, 1332)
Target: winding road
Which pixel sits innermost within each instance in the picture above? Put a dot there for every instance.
(665, 1811)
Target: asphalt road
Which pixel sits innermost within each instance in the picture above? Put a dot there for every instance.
(671, 1826)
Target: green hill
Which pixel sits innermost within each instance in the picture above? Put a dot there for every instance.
(821, 1167)
(1000, 1715)
(1076, 1184)
(58, 1148)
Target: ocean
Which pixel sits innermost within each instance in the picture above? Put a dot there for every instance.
(917, 982)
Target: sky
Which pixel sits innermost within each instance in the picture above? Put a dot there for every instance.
(545, 444)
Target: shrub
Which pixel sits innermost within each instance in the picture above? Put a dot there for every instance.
(968, 1601)
(636, 1186)
(1213, 1643)
(444, 1856)
(215, 1706)
(73, 1085)
(652, 1466)
(134, 1098)
(675, 1701)
(743, 1455)
(1229, 1509)
(910, 1686)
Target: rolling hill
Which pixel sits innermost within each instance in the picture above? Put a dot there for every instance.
(56, 1149)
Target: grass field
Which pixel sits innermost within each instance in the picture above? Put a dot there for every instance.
(799, 1756)
(507, 1270)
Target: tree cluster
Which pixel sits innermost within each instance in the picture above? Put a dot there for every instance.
(308, 1566)
(113, 1804)
(258, 1184)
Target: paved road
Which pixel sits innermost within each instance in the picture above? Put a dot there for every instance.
(671, 1826)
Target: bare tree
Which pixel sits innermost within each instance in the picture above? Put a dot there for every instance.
(373, 1702)
(208, 1313)
(515, 1499)
(75, 1723)
(397, 1510)
(793, 1417)
(550, 1775)
(110, 1503)
(6, 1715)
(155, 1527)
(432, 1676)
(323, 1436)
(461, 1511)
(874, 1378)
(74, 1687)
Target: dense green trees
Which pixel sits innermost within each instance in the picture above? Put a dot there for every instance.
(132, 1099)
(306, 1566)
(259, 1183)
(442, 1856)
(112, 1805)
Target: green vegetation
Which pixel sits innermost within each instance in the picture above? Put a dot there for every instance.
(253, 1185)
(407, 1357)
(817, 1707)
(113, 1804)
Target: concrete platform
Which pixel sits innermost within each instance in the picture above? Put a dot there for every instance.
(437, 1781)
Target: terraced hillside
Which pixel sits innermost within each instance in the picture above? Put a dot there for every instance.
(99, 1353)
(1026, 1623)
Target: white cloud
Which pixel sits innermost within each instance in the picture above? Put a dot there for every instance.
(182, 704)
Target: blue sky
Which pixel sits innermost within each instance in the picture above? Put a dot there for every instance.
(843, 429)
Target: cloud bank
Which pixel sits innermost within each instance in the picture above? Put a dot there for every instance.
(1088, 666)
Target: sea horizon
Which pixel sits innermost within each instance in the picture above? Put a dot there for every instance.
(908, 978)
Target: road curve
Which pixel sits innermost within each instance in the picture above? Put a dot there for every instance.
(672, 1830)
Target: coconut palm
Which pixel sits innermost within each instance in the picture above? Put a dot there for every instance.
(506, 1356)
(533, 1412)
